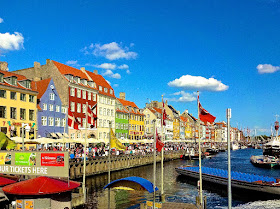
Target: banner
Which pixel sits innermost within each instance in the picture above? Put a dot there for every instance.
(5, 158)
(52, 159)
(29, 204)
(22, 158)
(19, 204)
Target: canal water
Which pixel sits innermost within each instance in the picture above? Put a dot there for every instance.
(178, 188)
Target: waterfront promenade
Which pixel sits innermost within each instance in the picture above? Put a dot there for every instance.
(99, 165)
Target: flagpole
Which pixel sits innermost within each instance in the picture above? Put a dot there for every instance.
(154, 173)
(162, 154)
(199, 152)
(229, 164)
(109, 163)
(84, 173)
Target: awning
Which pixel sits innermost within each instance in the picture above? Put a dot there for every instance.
(40, 186)
(66, 135)
(5, 181)
(134, 183)
(53, 135)
(59, 135)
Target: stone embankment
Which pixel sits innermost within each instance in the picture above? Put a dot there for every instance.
(100, 164)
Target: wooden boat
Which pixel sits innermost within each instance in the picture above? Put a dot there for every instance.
(243, 181)
(264, 161)
(192, 154)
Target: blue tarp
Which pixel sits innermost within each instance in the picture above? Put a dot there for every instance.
(134, 182)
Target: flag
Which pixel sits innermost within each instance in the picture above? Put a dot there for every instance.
(115, 142)
(205, 116)
(91, 116)
(164, 116)
(159, 143)
(73, 121)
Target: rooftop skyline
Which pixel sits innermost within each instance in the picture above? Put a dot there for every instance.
(227, 50)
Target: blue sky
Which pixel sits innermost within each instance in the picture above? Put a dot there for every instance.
(228, 50)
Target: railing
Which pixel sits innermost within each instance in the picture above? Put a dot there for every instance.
(99, 165)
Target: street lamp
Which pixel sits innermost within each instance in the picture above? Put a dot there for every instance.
(27, 129)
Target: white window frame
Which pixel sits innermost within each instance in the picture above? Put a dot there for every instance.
(52, 96)
(51, 121)
(44, 121)
(50, 107)
(57, 108)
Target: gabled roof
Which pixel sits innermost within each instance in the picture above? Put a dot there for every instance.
(130, 104)
(7, 74)
(65, 69)
(100, 81)
(42, 86)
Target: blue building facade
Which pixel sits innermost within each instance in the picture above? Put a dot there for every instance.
(52, 116)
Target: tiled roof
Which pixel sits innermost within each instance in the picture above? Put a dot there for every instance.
(65, 69)
(100, 81)
(7, 74)
(127, 103)
(159, 110)
(42, 86)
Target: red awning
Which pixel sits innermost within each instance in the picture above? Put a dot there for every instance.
(40, 186)
(5, 181)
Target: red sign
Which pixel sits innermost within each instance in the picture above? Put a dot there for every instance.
(52, 159)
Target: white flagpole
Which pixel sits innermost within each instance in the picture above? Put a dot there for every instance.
(84, 175)
(199, 150)
(229, 165)
(109, 163)
(162, 155)
(154, 199)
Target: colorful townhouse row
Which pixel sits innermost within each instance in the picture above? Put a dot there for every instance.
(41, 96)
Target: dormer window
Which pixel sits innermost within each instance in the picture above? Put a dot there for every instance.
(100, 88)
(106, 90)
(1, 78)
(14, 80)
(28, 84)
(91, 84)
(69, 77)
(77, 79)
(84, 81)
(111, 91)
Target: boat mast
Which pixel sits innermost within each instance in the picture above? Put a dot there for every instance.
(276, 126)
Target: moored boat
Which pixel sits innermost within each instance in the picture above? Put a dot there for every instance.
(264, 161)
(244, 181)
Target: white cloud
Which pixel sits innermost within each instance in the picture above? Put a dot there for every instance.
(116, 85)
(124, 66)
(198, 83)
(72, 62)
(1, 20)
(128, 71)
(107, 66)
(111, 51)
(184, 97)
(11, 41)
(111, 74)
(267, 68)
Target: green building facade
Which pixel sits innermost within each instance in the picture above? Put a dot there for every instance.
(121, 121)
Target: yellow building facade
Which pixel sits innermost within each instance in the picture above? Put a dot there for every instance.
(18, 105)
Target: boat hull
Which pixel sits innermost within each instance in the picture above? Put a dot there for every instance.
(255, 187)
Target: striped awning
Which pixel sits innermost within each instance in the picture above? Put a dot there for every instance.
(60, 135)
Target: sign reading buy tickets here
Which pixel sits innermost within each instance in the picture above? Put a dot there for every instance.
(54, 164)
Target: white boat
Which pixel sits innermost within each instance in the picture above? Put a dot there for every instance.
(234, 146)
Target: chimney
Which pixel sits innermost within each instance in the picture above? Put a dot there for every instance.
(83, 69)
(4, 66)
(48, 61)
(37, 65)
(95, 72)
(36, 78)
(122, 95)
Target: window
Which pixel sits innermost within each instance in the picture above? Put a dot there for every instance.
(13, 114)
(72, 107)
(51, 96)
(78, 135)
(50, 121)
(100, 88)
(111, 91)
(73, 136)
(31, 98)
(72, 91)
(100, 123)
(108, 112)
(106, 90)
(23, 97)
(31, 115)
(104, 111)
(63, 122)
(93, 97)
(1, 78)
(3, 93)
(84, 94)
(100, 110)
(13, 95)
(45, 106)
(2, 111)
(78, 93)
(50, 107)
(22, 114)
(78, 107)
(84, 123)
(14, 81)
(63, 110)
(57, 108)
(57, 122)
(28, 84)
(44, 120)
(89, 96)
(84, 108)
